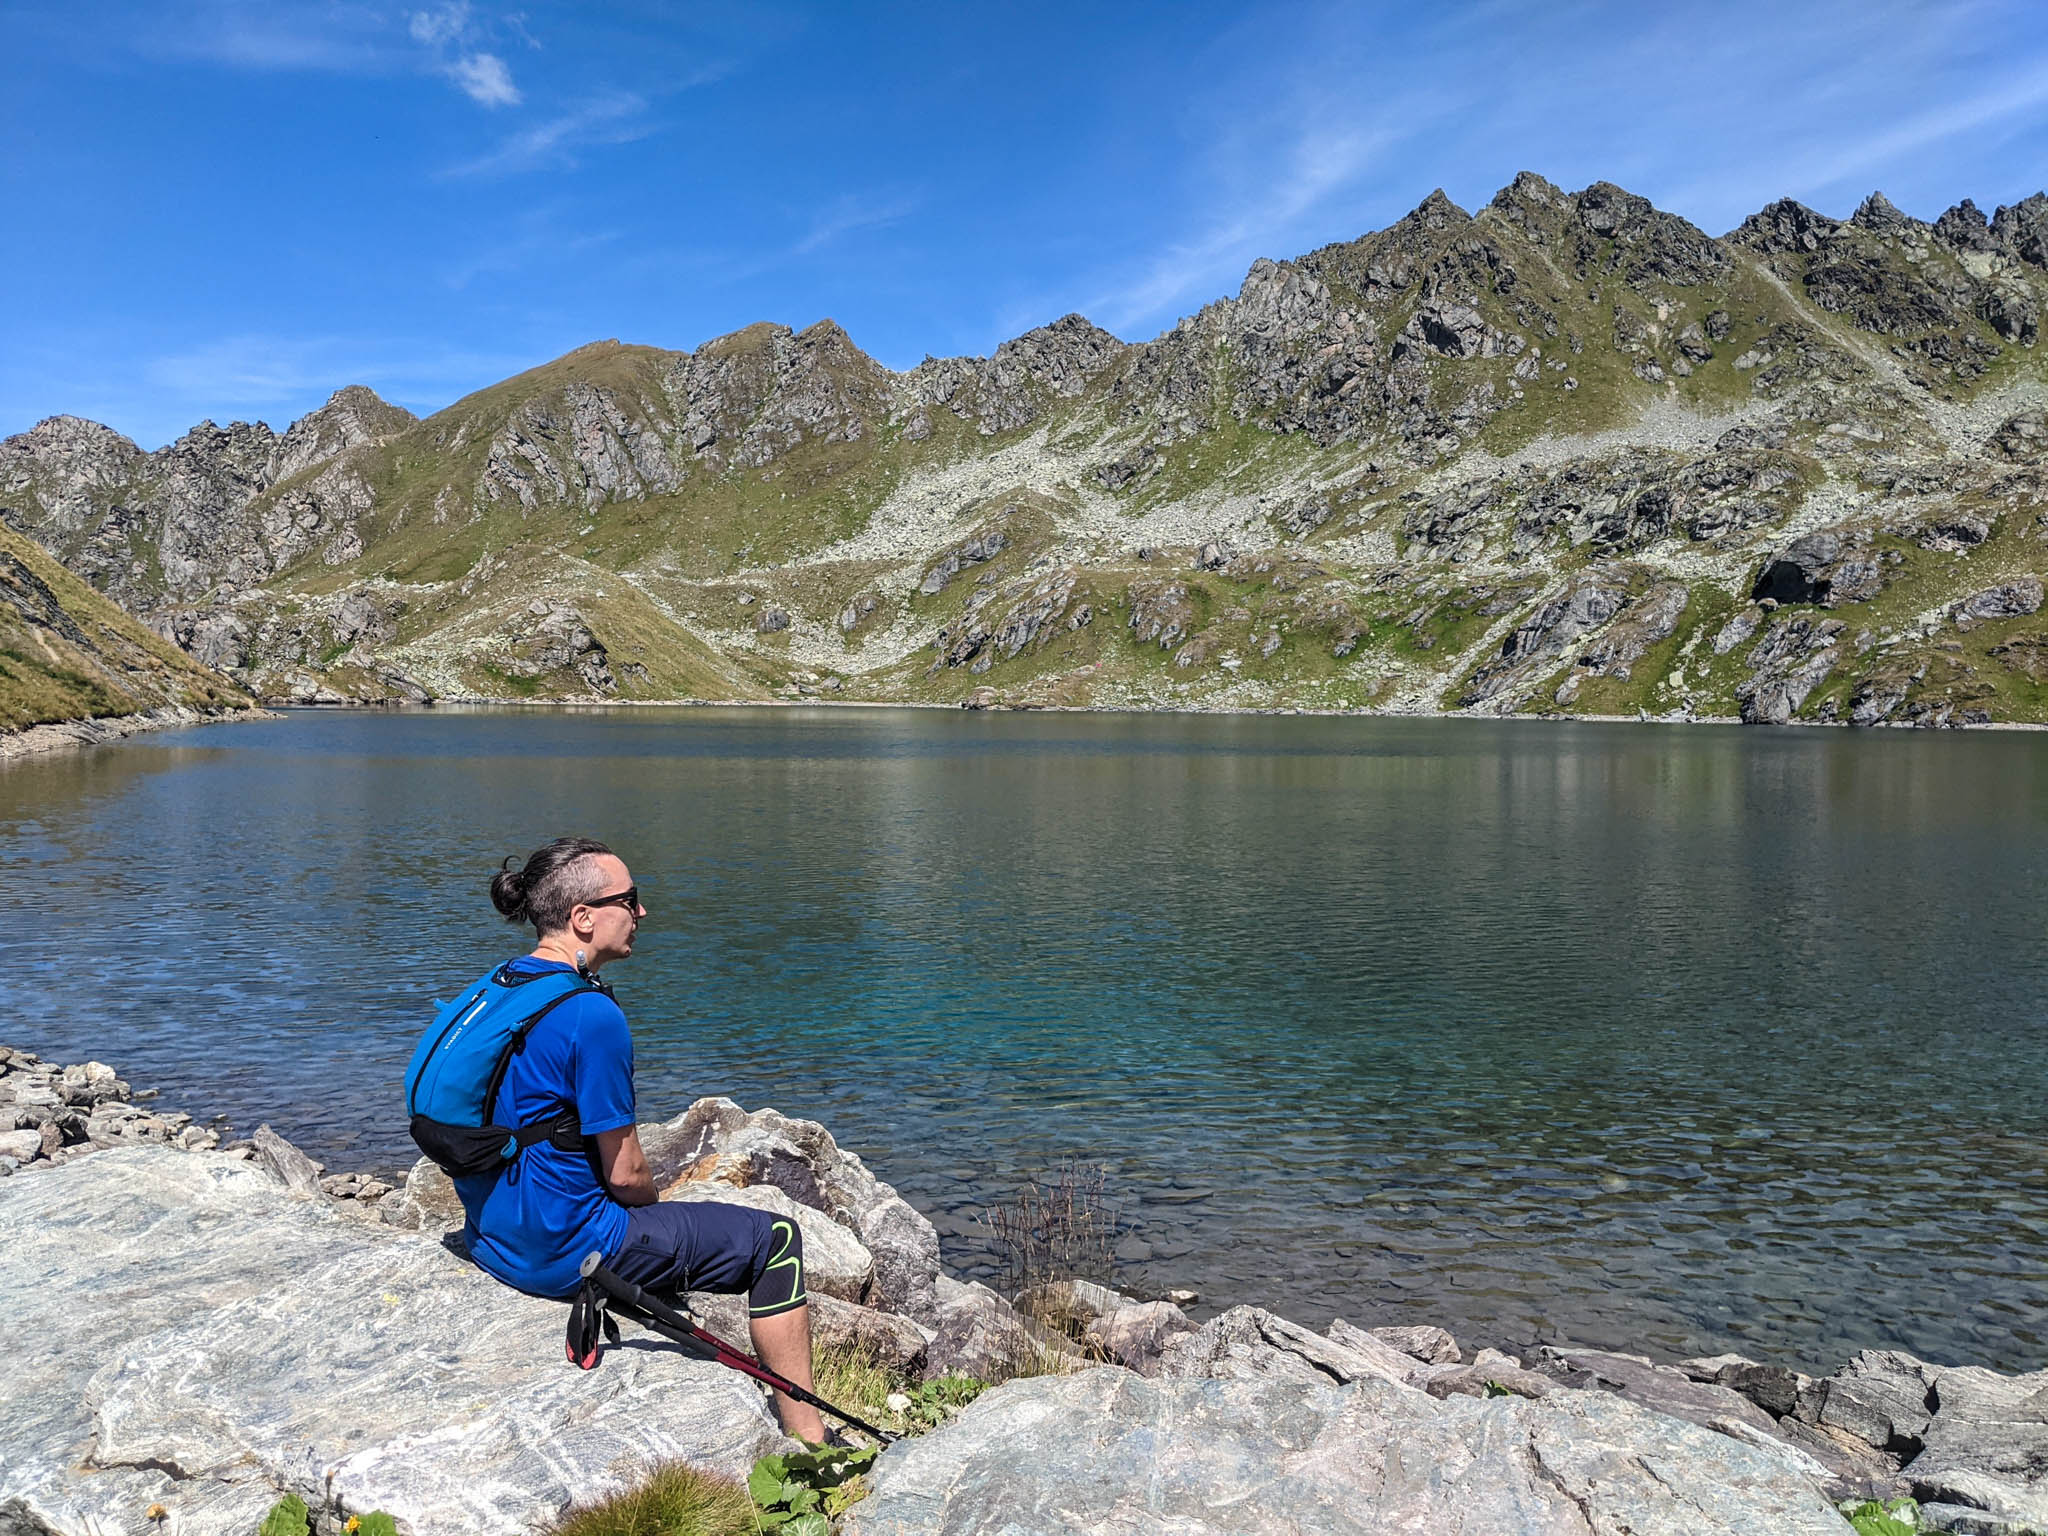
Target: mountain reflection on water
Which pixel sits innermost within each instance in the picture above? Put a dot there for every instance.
(1679, 1039)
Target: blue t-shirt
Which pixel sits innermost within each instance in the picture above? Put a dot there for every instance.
(533, 1224)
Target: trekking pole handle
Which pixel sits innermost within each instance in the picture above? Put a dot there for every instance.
(592, 1269)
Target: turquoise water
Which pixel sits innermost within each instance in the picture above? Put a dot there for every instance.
(1675, 1038)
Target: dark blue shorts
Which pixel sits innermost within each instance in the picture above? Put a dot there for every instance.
(674, 1246)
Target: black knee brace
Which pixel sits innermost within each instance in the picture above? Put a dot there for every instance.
(779, 1284)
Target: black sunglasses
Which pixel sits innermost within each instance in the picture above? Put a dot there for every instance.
(629, 898)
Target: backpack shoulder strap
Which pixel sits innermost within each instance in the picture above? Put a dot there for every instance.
(518, 1041)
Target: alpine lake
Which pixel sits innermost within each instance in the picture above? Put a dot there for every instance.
(1674, 1039)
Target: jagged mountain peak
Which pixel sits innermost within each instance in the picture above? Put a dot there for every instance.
(1880, 213)
(208, 439)
(748, 338)
(1010, 388)
(1070, 330)
(827, 342)
(1786, 225)
(1662, 245)
(354, 416)
(1435, 212)
(1965, 227)
(1530, 187)
(64, 431)
(70, 464)
(2023, 228)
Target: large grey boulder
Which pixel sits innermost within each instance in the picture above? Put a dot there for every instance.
(426, 1202)
(905, 1247)
(1831, 566)
(716, 1143)
(1114, 1326)
(1430, 1345)
(1974, 1442)
(1252, 1344)
(1986, 1445)
(977, 1333)
(1853, 1471)
(2008, 600)
(291, 1167)
(182, 1330)
(1110, 1451)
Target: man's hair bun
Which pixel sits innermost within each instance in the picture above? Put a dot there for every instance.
(508, 892)
(554, 878)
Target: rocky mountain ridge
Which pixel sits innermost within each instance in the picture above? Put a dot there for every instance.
(1567, 454)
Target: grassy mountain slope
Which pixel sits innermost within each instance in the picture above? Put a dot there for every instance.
(67, 653)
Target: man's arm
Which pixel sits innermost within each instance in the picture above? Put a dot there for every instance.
(624, 1166)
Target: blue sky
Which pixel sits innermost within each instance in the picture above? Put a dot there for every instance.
(228, 210)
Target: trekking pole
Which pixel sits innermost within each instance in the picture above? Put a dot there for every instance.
(671, 1324)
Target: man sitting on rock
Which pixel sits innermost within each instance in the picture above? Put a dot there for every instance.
(532, 1224)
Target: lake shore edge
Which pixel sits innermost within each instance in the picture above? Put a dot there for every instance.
(278, 708)
(105, 730)
(100, 730)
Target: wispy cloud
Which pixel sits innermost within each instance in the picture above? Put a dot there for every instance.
(450, 33)
(536, 237)
(341, 38)
(344, 37)
(441, 27)
(616, 118)
(1317, 166)
(849, 213)
(1828, 166)
(485, 79)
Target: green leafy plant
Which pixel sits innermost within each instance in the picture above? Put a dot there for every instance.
(937, 1400)
(800, 1493)
(290, 1517)
(1900, 1517)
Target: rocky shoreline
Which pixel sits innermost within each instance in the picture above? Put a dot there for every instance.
(220, 1320)
(54, 736)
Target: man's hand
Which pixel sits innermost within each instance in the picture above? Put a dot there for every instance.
(625, 1166)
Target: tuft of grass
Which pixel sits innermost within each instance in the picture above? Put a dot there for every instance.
(1060, 1229)
(1052, 1233)
(675, 1499)
(851, 1379)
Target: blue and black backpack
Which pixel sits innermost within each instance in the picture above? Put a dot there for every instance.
(452, 1085)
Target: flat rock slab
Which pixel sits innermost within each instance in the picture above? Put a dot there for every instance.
(180, 1330)
(1107, 1451)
